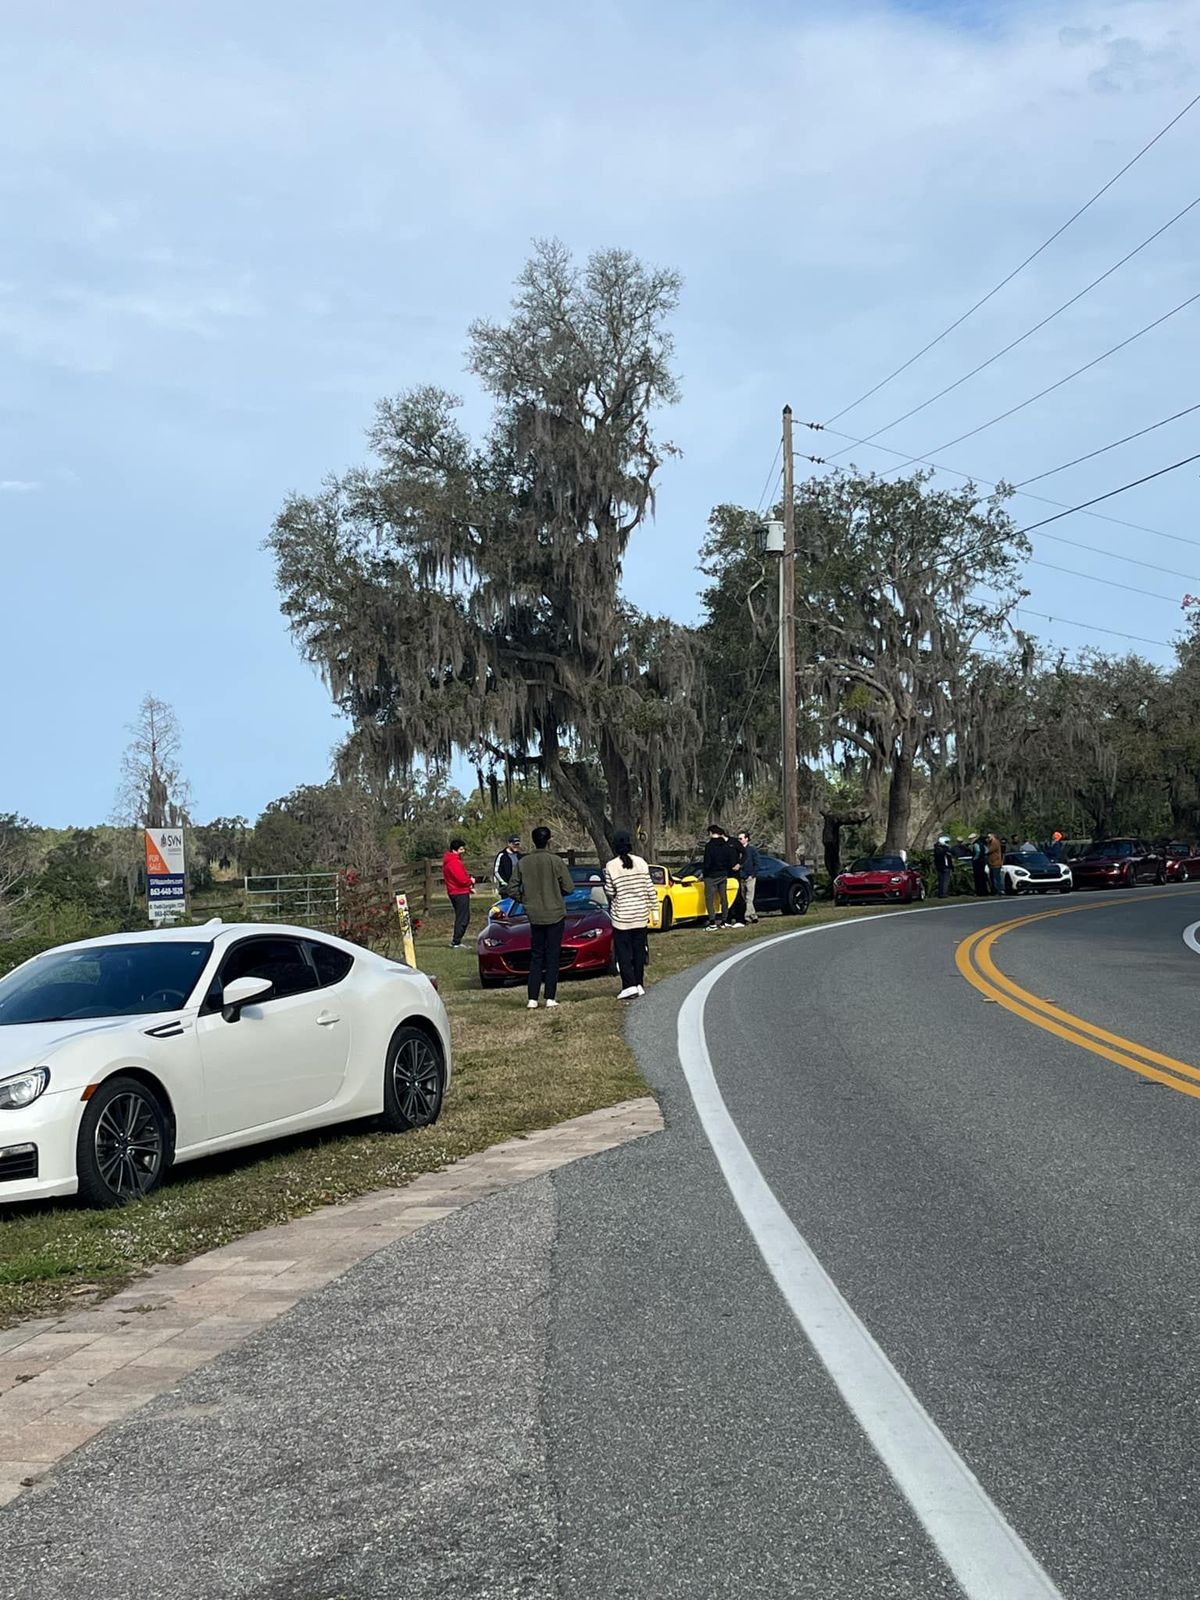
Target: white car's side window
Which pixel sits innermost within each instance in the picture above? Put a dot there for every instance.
(332, 965)
(282, 960)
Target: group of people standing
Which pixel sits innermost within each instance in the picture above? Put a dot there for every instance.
(541, 882)
(986, 852)
(726, 858)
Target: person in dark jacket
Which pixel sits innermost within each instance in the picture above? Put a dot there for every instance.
(720, 861)
(943, 861)
(748, 867)
(979, 865)
(1056, 850)
(506, 864)
(542, 883)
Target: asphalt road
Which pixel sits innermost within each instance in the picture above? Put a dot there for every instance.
(592, 1387)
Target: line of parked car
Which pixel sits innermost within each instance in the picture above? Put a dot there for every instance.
(1100, 864)
(1103, 864)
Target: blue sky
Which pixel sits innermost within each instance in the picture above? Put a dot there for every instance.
(225, 231)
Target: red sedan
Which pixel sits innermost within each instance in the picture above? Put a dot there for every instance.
(1183, 863)
(878, 878)
(504, 946)
(1118, 864)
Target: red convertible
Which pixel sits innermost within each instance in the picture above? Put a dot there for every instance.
(878, 878)
(505, 944)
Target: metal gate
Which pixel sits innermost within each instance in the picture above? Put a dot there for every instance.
(310, 899)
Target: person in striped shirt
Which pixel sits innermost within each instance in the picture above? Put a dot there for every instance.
(632, 898)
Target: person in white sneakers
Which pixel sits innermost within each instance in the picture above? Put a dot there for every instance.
(632, 898)
(542, 883)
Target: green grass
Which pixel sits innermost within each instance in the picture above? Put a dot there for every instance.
(516, 1071)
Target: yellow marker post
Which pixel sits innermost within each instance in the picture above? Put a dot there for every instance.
(406, 929)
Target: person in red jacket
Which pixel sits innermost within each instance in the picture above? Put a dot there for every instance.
(459, 884)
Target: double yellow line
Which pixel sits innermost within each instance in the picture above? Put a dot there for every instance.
(974, 960)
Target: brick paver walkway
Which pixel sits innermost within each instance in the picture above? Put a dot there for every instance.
(63, 1379)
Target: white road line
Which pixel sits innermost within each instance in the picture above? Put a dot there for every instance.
(981, 1549)
(1190, 937)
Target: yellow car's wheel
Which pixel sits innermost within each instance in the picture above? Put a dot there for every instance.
(668, 916)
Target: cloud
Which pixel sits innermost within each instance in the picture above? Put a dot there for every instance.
(18, 486)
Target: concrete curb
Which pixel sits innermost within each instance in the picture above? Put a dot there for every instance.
(64, 1379)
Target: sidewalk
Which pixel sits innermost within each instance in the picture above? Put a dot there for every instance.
(64, 1380)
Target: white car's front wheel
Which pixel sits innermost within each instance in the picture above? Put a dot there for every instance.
(414, 1081)
(124, 1146)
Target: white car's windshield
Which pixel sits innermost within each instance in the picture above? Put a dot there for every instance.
(108, 980)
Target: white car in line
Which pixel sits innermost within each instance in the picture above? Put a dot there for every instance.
(123, 1055)
(1032, 872)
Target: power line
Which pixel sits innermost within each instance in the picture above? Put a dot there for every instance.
(1123, 488)
(1074, 217)
(1092, 627)
(1061, 505)
(1109, 583)
(770, 476)
(772, 650)
(1092, 454)
(1050, 388)
(1096, 550)
(1037, 327)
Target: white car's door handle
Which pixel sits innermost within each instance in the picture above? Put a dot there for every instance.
(327, 1019)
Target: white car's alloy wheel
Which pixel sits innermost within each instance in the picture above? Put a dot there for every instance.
(123, 1143)
(414, 1082)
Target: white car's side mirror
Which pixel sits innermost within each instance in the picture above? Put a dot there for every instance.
(243, 992)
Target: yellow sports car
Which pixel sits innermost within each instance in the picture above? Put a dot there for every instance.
(682, 899)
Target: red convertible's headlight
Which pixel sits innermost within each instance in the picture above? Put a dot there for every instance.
(592, 933)
(491, 944)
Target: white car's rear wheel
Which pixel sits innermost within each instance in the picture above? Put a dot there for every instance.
(414, 1081)
(124, 1146)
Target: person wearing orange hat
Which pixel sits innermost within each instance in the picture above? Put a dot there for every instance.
(1056, 850)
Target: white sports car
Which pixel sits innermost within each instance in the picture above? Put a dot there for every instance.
(1031, 872)
(123, 1055)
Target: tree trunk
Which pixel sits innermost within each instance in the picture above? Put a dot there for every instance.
(832, 824)
(648, 821)
(900, 798)
(618, 783)
(571, 783)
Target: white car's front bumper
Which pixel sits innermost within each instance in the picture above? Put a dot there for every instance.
(51, 1124)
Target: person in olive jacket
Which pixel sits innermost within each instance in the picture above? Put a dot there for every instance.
(542, 883)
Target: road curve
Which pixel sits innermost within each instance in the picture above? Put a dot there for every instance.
(1010, 1209)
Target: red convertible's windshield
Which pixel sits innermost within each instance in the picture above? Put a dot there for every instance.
(878, 864)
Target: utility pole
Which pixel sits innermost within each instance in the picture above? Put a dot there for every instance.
(787, 651)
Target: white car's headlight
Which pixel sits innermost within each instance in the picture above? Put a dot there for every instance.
(1019, 872)
(23, 1089)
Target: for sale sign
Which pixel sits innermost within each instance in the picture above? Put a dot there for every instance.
(166, 880)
